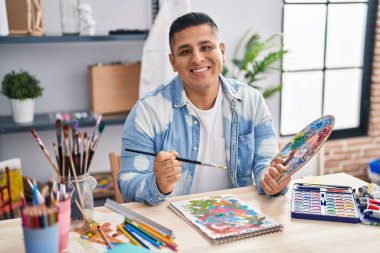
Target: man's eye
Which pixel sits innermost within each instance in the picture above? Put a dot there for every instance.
(184, 52)
(206, 48)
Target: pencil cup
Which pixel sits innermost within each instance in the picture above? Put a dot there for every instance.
(64, 223)
(86, 184)
(41, 240)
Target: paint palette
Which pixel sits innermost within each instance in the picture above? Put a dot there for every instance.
(324, 202)
(304, 145)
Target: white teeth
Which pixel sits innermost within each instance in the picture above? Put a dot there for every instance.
(200, 70)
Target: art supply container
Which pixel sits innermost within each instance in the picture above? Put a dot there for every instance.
(64, 223)
(41, 240)
(86, 184)
(374, 171)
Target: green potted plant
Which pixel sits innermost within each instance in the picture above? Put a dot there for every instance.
(259, 58)
(22, 89)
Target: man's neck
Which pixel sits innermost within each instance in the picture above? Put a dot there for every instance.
(204, 100)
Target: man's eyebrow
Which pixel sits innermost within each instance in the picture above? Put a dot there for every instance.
(184, 46)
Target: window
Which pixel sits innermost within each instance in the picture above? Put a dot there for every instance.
(328, 67)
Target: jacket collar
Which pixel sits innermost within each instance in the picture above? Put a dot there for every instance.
(180, 98)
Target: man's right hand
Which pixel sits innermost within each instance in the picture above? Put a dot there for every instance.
(167, 170)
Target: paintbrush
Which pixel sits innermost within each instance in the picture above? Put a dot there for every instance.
(66, 133)
(100, 130)
(98, 120)
(56, 155)
(84, 154)
(45, 151)
(66, 149)
(58, 132)
(79, 146)
(180, 159)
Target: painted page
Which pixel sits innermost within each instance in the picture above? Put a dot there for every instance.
(224, 218)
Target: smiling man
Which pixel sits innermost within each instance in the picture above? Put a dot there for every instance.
(199, 115)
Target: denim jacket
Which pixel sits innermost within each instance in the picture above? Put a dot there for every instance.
(164, 120)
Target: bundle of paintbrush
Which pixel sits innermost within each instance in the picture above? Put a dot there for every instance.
(75, 153)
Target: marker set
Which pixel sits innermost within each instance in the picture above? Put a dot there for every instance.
(324, 202)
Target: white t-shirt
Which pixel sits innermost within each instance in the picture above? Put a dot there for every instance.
(211, 149)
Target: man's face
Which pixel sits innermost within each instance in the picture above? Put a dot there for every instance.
(198, 57)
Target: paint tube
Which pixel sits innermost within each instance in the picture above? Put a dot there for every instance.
(372, 213)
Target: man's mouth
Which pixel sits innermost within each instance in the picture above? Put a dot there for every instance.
(200, 70)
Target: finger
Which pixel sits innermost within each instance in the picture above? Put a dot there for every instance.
(271, 182)
(163, 156)
(280, 168)
(277, 160)
(173, 179)
(273, 171)
(267, 189)
(175, 153)
(284, 183)
(168, 171)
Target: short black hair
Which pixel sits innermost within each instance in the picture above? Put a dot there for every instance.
(189, 20)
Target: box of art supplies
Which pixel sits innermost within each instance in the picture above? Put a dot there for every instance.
(368, 200)
(374, 171)
(324, 202)
(11, 188)
(114, 88)
(40, 228)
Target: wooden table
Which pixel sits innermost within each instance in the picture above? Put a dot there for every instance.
(298, 235)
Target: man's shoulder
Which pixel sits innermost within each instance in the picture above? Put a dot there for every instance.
(164, 90)
(242, 88)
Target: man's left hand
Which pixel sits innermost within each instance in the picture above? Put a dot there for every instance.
(271, 174)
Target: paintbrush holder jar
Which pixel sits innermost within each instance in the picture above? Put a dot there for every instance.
(86, 184)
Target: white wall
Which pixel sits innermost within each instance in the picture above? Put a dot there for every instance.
(62, 67)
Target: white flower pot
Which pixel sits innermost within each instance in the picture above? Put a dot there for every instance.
(22, 110)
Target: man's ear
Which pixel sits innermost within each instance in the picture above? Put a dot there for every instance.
(222, 48)
(172, 62)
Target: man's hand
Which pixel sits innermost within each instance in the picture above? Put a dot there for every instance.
(271, 174)
(167, 170)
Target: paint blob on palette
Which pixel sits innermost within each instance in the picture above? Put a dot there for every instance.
(324, 202)
(304, 145)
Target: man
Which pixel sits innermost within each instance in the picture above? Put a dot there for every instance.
(199, 115)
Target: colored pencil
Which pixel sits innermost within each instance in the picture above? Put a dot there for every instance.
(180, 159)
(133, 234)
(143, 235)
(132, 240)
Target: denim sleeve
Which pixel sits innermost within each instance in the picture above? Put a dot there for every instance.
(136, 179)
(266, 144)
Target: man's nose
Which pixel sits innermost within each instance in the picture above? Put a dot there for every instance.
(197, 57)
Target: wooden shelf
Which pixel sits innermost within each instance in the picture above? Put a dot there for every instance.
(140, 36)
(46, 121)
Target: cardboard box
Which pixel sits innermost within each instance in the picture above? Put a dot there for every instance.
(25, 17)
(114, 88)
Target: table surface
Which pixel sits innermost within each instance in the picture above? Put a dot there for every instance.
(299, 235)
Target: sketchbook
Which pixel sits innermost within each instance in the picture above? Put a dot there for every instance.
(224, 218)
